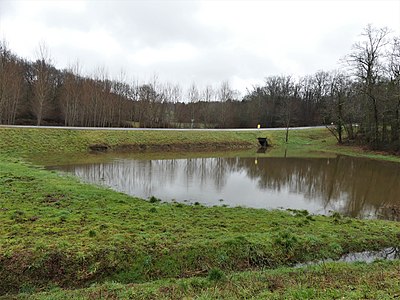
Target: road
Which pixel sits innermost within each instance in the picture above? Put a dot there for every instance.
(178, 129)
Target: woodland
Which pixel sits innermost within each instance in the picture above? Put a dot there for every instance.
(359, 102)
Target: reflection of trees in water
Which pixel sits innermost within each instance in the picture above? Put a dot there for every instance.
(148, 175)
(352, 185)
(205, 171)
(128, 175)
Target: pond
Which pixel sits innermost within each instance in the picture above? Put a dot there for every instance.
(356, 187)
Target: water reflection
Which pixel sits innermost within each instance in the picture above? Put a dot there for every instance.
(352, 186)
(366, 256)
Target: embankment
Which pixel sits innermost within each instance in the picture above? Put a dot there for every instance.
(41, 140)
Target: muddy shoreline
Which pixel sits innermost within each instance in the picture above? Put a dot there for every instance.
(201, 146)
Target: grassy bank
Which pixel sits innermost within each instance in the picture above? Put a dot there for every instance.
(378, 280)
(23, 141)
(19, 142)
(58, 232)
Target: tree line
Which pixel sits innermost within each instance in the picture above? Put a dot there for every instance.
(360, 102)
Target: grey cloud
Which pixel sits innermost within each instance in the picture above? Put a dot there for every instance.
(340, 40)
(328, 52)
(213, 67)
(140, 23)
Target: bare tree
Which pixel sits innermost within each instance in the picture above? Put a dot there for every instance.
(365, 60)
(207, 96)
(339, 89)
(287, 93)
(393, 70)
(122, 92)
(282, 92)
(43, 84)
(11, 85)
(225, 95)
(99, 110)
(256, 108)
(147, 102)
(158, 104)
(71, 95)
(193, 96)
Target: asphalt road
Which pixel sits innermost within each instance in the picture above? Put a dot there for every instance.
(178, 129)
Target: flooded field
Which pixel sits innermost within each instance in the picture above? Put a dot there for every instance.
(355, 187)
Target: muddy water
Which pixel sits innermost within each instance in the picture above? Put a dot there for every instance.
(352, 186)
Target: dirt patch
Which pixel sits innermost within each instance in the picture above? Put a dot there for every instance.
(181, 147)
(53, 198)
(99, 148)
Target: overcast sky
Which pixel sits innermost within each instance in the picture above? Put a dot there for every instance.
(205, 42)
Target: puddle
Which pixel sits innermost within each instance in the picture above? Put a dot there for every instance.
(390, 253)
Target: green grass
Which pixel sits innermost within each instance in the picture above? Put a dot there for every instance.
(43, 140)
(58, 232)
(19, 142)
(378, 280)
